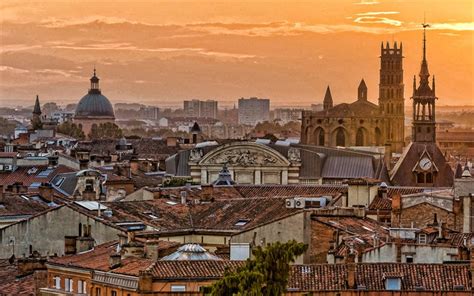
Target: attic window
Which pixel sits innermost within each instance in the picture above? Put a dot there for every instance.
(393, 284)
(242, 222)
(422, 238)
(58, 182)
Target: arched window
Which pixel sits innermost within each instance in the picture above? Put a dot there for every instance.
(378, 137)
(340, 137)
(319, 136)
(360, 137)
(420, 178)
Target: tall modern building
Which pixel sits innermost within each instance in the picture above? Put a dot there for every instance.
(198, 108)
(253, 110)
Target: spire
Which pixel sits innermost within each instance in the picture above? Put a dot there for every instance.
(362, 91)
(424, 73)
(433, 87)
(37, 108)
(327, 103)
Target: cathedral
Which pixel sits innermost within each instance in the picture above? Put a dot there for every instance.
(363, 123)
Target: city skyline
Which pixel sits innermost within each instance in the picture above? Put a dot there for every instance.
(288, 54)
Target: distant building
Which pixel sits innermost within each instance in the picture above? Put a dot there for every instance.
(286, 115)
(93, 108)
(198, 108)
(62, 116)
(149, 112)
(363, 123)
(253, 110)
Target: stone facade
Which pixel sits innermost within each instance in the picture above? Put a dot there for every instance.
(248, 163)
(363, 123)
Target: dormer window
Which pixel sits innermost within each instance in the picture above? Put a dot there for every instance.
(422, 239)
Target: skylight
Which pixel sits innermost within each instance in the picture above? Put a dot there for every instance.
(171, 202)
(45, 173)
(242, 222)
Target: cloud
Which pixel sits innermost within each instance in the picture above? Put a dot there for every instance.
(13, 70)
(367, 2)
(377, 20)
(453, 26)
(17, 47)
(61, 23)
(377, 13)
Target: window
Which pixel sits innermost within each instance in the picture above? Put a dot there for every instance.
(81, 287)
(97, 291)
(409, 259)
(393, 284)
(242, 222)
(178, 288)
(57, 282)
(422, 238)
(114, 293)
(429, 178)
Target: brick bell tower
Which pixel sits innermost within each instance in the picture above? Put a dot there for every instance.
(391, 95)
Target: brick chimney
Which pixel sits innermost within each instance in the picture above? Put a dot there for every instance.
(458, 213)
(28, 265)
(396, 209)
(351, 270)
(46, 191)
(84, 243)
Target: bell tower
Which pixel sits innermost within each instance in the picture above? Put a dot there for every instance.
(424, 98)
(391, 94)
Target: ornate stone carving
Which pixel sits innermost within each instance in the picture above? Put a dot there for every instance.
(195, 155)
(294, 155)
(243, 157)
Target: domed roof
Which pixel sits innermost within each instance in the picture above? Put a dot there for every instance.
(94, 103)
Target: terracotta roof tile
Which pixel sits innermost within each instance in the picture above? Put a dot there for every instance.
(10, 284)
(24, 175)
(208, 269)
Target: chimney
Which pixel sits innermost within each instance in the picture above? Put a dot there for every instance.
(183, 195)
(396, 209)
(398, 246)
(115, 260)
(52, 161)
(46, 191)
(132, 248)
(444, 230)
(84, 243)
(83, 164)
(145, 281)
(351, 270)
(388, 156)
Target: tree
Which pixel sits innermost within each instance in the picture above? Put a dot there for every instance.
(107, 130)
(71, 129)
(266, 274)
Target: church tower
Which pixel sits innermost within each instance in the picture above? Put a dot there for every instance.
(36, 122)
(424, 98)
(391, 95)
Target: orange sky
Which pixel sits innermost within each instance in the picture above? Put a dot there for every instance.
(162, 52)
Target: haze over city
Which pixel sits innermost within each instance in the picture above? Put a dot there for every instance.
(164, 52)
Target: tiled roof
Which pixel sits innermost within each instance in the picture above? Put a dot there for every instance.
(289, 190)
(10, 284)
(98, 259)
(25, 204)
(354, 225)
(25, 174)
(208, 269)
(330, 277)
